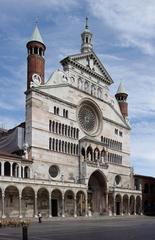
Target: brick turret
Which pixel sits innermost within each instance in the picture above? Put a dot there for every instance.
(121, 97)
(35, 60)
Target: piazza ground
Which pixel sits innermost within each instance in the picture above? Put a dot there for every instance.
(99, 228)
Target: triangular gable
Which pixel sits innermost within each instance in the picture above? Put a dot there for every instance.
(90, 63)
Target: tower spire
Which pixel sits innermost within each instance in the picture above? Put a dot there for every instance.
(35, 59)
(86, 26)
(86, 36)
(121, 97)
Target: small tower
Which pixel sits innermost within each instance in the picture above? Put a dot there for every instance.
(35, 60)
(86, 36)
(121, 97)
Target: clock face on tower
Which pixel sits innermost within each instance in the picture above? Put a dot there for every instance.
(36, 79)
(88, 117)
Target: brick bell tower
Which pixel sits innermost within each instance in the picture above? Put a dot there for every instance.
(121, 97)
(35, 60)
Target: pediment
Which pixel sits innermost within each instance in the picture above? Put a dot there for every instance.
(89, 62)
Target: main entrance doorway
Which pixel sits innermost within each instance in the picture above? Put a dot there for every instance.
(54, 207)
(97, 187)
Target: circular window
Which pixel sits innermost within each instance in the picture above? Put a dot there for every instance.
(118, 179)
(53, 171)
(88, 117)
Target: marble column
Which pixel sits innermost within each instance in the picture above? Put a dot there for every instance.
(114, 205)
(106, 203)
(129, 206)
(2, 168)
(86, 205)
(11, 169)
(121, 212)
(134, 206)
(20, 205)
(3, 204)
(35, 206)
(50, 206)
(75, 207)
(63, 206)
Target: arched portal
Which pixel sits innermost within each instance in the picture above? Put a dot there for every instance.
(97, 187)
(11, 201)
(43, 202)
(56, 203)
(80, 202)
(69, 203)
(28, 197)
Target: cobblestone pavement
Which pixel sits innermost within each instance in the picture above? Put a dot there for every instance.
(99, 228)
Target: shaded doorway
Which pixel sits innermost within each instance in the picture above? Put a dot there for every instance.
(54, 207)
(97, 188)
(117, 208)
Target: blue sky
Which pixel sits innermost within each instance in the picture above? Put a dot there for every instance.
(123, 38)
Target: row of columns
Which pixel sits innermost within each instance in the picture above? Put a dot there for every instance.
(18, 169)
(75, 205)
(128, 206)
(36, 204)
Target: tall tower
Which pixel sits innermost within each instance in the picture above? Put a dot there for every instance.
(121, 97)
(35, 60)
(86, 45)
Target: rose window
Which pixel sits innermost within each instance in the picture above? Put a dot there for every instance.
(88, 118)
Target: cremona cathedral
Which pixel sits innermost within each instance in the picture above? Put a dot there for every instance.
(71, 156)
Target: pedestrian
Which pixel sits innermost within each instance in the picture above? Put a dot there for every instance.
(39, 217)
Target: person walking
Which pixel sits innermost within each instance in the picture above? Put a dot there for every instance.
(39, 217)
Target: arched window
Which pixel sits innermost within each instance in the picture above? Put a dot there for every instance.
(74, 132)
(15, 170)
(71, 148)
(35, 50)
(56, 127)
(50, 125)
(77, 149)
(68, 148)
(65, 147)
(0, 169)
(53, 126)
(68, 131)
(50, 143)
(56, 145)
(74, 149)
(53, 145)
(59, 145)
(66, 113)
(26, 172)
(7, 169)
(90, 153)
(40, 51)
(65, 130)
(59, 128)
(71, 132)
(77, 133)
(55, 110)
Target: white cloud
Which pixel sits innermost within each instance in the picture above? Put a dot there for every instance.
(133, 21)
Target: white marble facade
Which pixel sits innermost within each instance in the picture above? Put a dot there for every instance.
(77, 147)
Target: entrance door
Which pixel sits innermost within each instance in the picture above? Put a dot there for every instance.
(54, 207)
(117, 208)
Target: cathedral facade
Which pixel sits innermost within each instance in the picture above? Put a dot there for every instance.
(74, 153)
